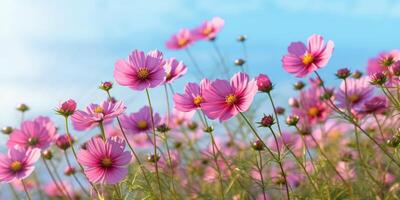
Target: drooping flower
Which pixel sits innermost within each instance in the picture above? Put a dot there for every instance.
(192, 98)
(302, 60)
(105, 161)
(31, 135)
(140, 122)
(209, 29)
(18, 164)
(311, 109)
(95, 113)
(224, 99)
(383, 62)
(358, 92)
(141, 70)
(174, 69)
(180, 40)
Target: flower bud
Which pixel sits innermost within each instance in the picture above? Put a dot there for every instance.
(343, 73)
(327, 94)
(357, 74)
(280, 110)
(47, 154)
(240, 62)
(264, 84)
(67, 108)
(192, 126)
(163, 128)
(152, 158)
(106, 86)
(293, 102)
(69, 171)
(267, 121)
(209, 129)
(22, 107)
(292, 120)
(378, 78)
(242, 38)
(257, 145)
(299, 85)
(62, 142)
(7, 130)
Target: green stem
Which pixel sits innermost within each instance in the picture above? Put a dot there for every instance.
(74, 175)
(155, 142)
(218, 168)
(102, 131)
(62, 188)
(26, 191)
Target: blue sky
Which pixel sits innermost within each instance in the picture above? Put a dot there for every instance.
(54, 50)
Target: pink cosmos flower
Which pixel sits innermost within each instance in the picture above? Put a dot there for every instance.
(209, 29)
(211, 172)
(180, 118)
(95, 113)
(224, 99)
(31, 135)
(105, 161)
(67, 108)
(174, 69)
(383, 61)
(52, 190)
(311, 109)
(180, 40)
(140, 122)
(29, 182)
(293, 141)
(377, 105)
(139, 140)
(47, 123)
(18, 164)
(345, 170)
(264, 84)
(192, 98)
(358, 92)
(293, 176)
(302, 60)
(62, 141)
(141, 70)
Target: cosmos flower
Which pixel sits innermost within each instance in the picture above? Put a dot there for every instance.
(293, 176)
(105, 161)
(377, 105)
(383, 62)
(345, 170)
(47, 123)
(208, 29)
(302, 60)
(179, 118)
(67, 108)
(311, 109)
(224, 99)
(52, 190)
(141, 70)
(140, 122)
(180, 40)
(192, 98)
(358, 92)
(31, 135)
(18, 163)
(95, 113)
(62, 141)
(174, 69)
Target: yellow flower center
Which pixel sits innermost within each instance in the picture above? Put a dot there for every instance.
(33, 141)
(142, 124)
(230, 99)
(143, 73)
(308, 59)
(98, 109)
(353, 98)
(182, 41)
(16, 166)
(198, 100)
(106, 162)
(313, 111)
(207, 30)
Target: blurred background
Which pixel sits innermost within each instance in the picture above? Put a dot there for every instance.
(54, 50)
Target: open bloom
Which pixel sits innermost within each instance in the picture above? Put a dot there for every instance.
(95, 113)
(311, 108)
(140, 122)
(302, 60)
(224, 99)
(383, 61)
(105, 161)
(31, 135)
(358, 92)
(141, 70)
(180, 40)
(174, 69)
(208, 29)
(192, 98)
(18, 164)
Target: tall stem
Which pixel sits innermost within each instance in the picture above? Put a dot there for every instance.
(155, 142)
(196, 66)
(221, 57)
(261, 175)
(74, 175)
(167, 102)
(26, 190)
(62, 188)
(221, 184)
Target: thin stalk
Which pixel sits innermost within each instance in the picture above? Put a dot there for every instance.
(261, 175)
(56, 174)
(171, 167)
(102, 131)
(155, 143)
(26, 190)
(224, 66)
(14, 192)
(76, 158)
(167, 102)
(59, 188)
(218, 168)
(196, 66)
(74, 175)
